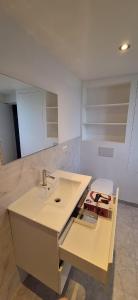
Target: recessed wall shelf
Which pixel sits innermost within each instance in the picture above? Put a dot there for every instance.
(105, 110)
(52, 107)
(108, 124)
(107, 105)
(52, 117)
(54, 123)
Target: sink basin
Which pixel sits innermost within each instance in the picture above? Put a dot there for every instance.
(52, 205)
(63, 192)
(59, 194)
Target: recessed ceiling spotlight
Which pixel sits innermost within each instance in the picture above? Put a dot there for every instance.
(124, 47)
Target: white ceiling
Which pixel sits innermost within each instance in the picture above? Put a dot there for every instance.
(83, 34)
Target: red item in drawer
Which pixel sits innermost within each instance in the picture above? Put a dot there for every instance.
(98, 207)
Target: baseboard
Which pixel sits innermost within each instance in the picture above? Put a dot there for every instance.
(128, 203)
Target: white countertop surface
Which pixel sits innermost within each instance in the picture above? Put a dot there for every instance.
(34, 206)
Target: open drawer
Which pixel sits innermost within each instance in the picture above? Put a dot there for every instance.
(89, 247)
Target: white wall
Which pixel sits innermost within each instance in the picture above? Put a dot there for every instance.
(7, 135)
(123, 167)
(131, 176)
(22, 57)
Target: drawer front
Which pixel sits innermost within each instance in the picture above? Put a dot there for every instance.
(113, 228)
(84, 265)
(89, 247)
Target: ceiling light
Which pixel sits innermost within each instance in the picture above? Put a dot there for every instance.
(124, 47)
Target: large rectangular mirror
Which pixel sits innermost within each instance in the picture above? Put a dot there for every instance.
(28, 119)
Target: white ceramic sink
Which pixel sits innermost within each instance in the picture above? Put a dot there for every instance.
(52, 205)
(58, 194)
(62, 193)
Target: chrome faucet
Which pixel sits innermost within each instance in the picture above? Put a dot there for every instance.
(45, 176)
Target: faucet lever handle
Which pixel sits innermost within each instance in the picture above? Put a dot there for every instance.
(50, 176)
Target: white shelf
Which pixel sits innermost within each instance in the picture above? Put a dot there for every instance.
(107, 105)
(107, 139)
(52, 130)
(106, 124)
(105, 110)
(52, 123)
(52, 118)
(52, 107)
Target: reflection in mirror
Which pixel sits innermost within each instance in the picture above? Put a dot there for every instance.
(28, 119)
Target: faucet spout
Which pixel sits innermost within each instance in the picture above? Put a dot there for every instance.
(45, 176)
(44, 183)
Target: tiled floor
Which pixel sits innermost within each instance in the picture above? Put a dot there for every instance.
(123, 275)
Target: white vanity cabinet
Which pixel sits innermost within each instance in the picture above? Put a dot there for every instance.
(36, 250)
(47, 253)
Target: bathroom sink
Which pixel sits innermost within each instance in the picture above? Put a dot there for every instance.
(62, 192)
(52, 205)
(58, 193)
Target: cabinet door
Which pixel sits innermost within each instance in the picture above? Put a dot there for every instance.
(89, 247)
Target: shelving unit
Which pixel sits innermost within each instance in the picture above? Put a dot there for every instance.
(106, 124)
(106, 105)
(105, 112)
(52, 117)
(51, 107)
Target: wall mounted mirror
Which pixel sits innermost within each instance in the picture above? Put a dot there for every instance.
(28, 119)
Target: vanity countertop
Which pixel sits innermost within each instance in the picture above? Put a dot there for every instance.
(34, 204)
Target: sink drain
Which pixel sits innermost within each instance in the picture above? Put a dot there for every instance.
(57, 200)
